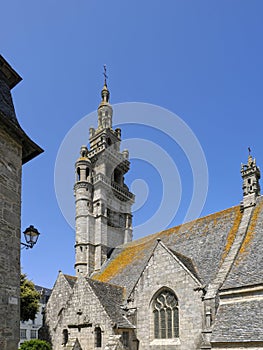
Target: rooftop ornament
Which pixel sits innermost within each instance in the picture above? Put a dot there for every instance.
(31, 236)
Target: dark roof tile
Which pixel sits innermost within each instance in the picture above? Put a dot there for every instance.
(239, 322)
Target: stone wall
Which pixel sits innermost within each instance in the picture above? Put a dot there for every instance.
(56, 304)
(78, 311)
(161, 271)
(10, 212)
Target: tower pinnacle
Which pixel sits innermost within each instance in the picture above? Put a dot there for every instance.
(105, 109)
(250, 173)
(103, 200)
(105, 94)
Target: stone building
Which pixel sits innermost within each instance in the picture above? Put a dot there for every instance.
(195, 286)
(16, 148)
(31, 329)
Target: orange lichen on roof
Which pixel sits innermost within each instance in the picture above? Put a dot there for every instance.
(136, 250)
(70, 277)
(250, 232)
(129, 254)
(232, 233)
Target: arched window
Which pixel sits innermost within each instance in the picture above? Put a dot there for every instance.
(97, 337)
(78, 174)
(166, 315)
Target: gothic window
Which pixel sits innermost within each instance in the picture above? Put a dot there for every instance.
(166, 315)
(98, 337)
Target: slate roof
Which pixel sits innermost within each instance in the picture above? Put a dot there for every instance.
(71, 280)
(8, 121)
(205, 242)
(111, 298)
(233, 322)
(248, 266)
(187, 263)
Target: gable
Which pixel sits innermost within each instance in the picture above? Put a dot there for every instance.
(166, 275)
(164, 268)
(60, 293)
(83, 307)
(93, 303)
(57, 302)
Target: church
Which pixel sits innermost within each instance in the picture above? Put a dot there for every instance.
(194, 286)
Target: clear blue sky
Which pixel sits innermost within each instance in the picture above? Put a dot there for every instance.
(199, 59)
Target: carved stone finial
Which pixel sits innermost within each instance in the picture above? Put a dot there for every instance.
(250, 173)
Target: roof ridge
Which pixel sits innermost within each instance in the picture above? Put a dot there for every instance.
(141, 240)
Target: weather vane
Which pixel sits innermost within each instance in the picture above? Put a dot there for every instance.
(249, 151)
(105, 74)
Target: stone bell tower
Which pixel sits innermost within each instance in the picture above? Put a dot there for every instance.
(251, 189)
(103, 200)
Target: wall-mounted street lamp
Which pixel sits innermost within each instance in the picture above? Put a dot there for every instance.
(31, 236)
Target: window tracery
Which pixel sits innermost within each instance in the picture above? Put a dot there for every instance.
(166, 315)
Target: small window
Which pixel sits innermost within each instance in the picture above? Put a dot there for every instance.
(117, 176)
(166, 315)
(22, 333)
(78, 174)
(33, 334)
(65, 337)
(125, 339)
(98, 337)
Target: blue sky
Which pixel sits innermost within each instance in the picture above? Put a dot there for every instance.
(201, 60)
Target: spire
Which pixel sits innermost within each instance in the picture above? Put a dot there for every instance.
(105, 75)
(105, 109)
(250, 173)
(105, 94)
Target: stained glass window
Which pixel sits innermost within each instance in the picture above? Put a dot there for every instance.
(166, 315)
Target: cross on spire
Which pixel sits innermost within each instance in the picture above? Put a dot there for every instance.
(105, 74)
(249, 151)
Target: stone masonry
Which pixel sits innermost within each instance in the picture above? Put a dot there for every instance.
(15, 149)
(195, 286)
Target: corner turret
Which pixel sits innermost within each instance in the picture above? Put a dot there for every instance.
(250, 173)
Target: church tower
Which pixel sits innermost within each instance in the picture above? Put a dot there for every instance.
(251, 189)
(103, 200)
